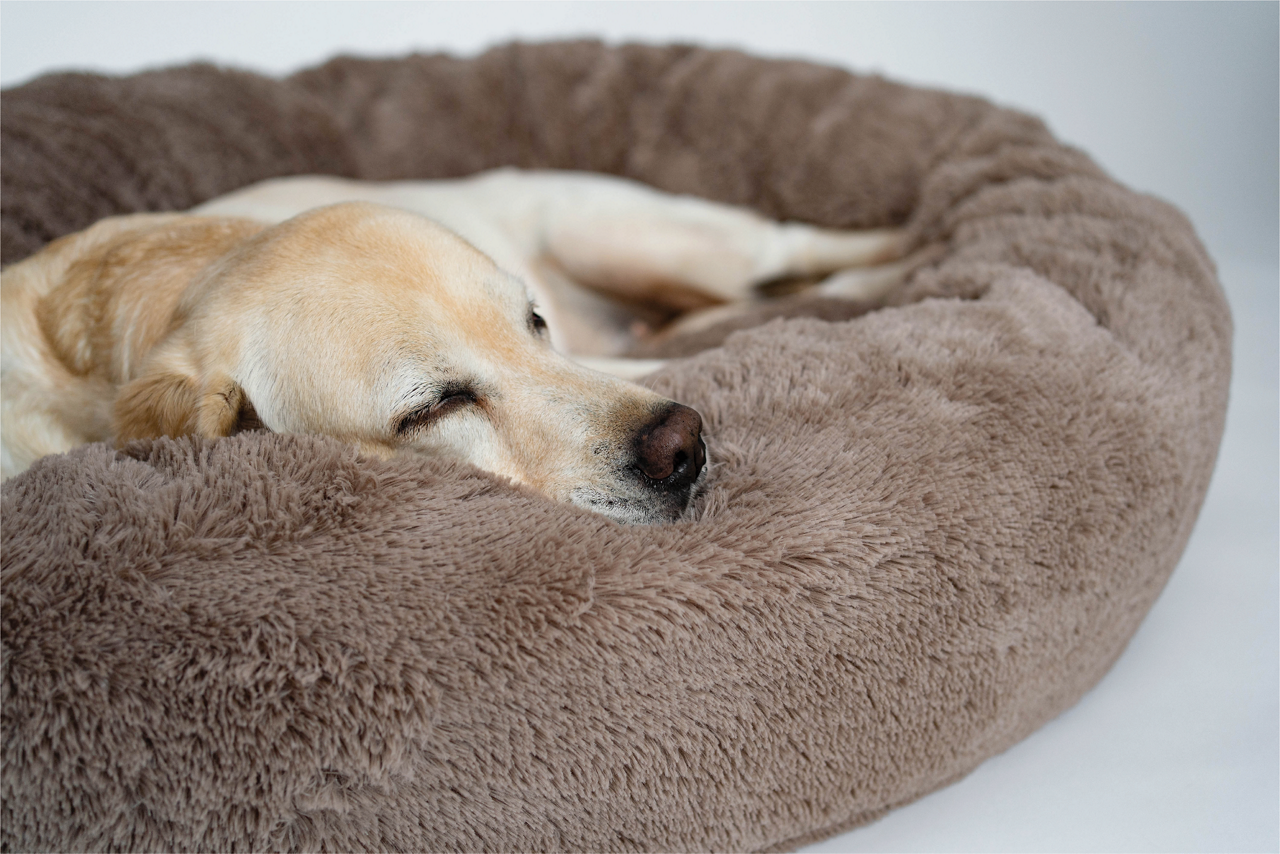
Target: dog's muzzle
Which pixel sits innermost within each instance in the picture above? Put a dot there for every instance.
(662, 472)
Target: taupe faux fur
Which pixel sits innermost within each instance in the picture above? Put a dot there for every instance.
(929, 530)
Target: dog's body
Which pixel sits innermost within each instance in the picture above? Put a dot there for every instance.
(600, 253)
(380, 327)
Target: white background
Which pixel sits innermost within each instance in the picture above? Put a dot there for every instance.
(1177, 748)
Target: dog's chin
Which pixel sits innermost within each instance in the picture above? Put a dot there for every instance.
(632, 505)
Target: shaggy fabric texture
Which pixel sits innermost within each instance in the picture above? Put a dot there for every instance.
(929, 529)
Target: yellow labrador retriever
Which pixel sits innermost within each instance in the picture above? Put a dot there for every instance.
(299, 306)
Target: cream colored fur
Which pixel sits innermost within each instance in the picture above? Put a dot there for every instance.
(298, 306)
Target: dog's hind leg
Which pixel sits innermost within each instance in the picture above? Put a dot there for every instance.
(681, 252)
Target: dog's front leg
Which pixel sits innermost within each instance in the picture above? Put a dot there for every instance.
(626, 369)
(865, 283)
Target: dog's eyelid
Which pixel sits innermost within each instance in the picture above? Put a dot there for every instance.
(411, 419)
(449, 398)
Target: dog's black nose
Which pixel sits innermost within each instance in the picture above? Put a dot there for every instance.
(669, 451)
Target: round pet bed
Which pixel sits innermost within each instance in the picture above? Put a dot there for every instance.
(929, 529)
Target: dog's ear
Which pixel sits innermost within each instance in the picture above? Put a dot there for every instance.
(167, 402)
(117, 288)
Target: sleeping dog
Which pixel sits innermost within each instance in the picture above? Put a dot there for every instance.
(319, 305)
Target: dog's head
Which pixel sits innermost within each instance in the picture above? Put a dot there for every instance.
(382, 328)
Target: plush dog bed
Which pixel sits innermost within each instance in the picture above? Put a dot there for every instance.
(929, 529)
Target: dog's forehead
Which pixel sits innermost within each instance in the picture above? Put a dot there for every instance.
(366, 251)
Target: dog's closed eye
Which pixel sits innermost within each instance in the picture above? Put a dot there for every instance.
(537, 323)
(450, 399)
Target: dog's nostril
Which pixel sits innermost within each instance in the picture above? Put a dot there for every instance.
(668, 449)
